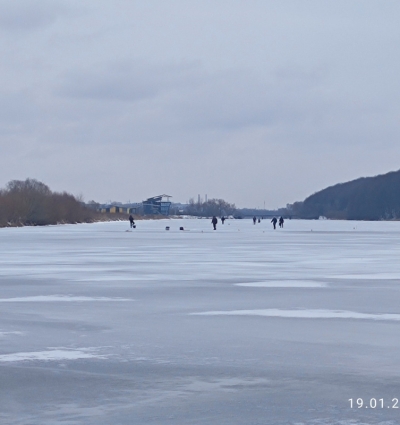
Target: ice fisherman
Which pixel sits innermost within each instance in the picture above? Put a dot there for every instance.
(273, 221)
(254, 219)
(281, 221)
(131, 220)
(223, 219)
(214, 222)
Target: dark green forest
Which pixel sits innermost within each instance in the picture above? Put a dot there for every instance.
(367, 198)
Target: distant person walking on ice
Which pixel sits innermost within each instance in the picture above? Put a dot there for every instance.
(214, 222)
(131, 221)
(281, 221)
(223, 219)
(254, 219)
(273, 221)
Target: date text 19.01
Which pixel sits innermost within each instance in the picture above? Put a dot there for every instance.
(373, 403)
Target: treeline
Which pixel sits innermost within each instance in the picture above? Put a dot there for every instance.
(369, 198)
(217, 207)
(32, 203)
(250, 212)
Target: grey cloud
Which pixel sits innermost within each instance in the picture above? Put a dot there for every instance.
(18, 110)
(235, 100)
(29, 14)
(128, 82)
(186, 97)
(292, 74)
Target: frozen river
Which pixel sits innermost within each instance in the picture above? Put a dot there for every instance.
(243, 325)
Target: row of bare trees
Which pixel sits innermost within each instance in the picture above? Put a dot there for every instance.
(31, 202)
(217, 207)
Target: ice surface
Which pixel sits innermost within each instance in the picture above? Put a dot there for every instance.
(50, 355)
(243, 325)
(58, 298)
(283, 284)
(10, 333)
(303, 314)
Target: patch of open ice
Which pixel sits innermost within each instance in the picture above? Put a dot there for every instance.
(50, 355)
(10, 333)
(59, 298)
(303, 314)
(283, 284)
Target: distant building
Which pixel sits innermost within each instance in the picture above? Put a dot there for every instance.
(113, 209)
(120, 208)
(116, 209)
(131, 210)
(157, 205)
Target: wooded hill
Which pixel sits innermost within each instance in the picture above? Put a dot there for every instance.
(367, 198)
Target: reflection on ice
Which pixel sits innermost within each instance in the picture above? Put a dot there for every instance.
(302, 314)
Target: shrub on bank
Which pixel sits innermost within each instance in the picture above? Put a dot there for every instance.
(32, 203)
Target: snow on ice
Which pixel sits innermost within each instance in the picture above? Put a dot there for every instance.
(242, 325)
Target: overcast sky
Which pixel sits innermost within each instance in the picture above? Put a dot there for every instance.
(251, 101)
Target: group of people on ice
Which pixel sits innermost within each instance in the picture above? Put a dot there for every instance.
(214, 221)
(275, 220)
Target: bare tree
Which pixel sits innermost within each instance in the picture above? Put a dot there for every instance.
(217, 207)
(31, 202)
